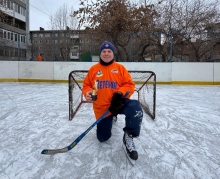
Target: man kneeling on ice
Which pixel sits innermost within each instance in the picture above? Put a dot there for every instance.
(105, 84)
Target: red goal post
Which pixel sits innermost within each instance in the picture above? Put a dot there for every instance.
(145, 91)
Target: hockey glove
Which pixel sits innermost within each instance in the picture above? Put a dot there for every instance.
(116, 103)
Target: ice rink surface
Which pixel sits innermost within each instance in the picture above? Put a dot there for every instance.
(182, 143)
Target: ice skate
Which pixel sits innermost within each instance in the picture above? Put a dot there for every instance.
(129, 148)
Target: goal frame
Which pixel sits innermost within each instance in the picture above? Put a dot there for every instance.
(82, 100)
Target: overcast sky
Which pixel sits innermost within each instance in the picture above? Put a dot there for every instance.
(40, 10)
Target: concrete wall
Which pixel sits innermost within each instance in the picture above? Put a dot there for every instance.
(167, 73)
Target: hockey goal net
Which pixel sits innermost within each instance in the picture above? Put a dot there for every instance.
(145, 91)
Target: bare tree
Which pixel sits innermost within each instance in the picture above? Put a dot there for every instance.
(182, 20)
(118, 21)
(63, 18)
(162, 30)
(63, 24)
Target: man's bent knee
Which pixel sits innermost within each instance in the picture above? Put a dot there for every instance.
(103, 137)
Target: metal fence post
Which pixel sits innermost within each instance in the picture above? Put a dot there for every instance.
(53, 46)
(171, 46)
(130, 56)
(212, 44)
(91, 45)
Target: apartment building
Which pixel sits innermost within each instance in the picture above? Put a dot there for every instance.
(14, 29)
(60, 45)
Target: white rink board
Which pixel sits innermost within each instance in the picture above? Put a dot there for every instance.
(165, 72)
(36, 70)
(9, 69)
(217, 72)
(162, 70)
(192, 71)
(62, 69)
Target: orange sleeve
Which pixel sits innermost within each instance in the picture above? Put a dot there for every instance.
(127, 83)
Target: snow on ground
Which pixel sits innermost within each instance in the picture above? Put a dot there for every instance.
(182, 143)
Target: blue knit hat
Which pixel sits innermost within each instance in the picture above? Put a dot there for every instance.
(107, 45)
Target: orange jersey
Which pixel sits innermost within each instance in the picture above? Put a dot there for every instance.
(109, 79)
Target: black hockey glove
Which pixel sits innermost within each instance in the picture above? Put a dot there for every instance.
(116, 103)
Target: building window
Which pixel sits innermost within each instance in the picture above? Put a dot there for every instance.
(9, 35)
(16, 37)
(74, 54)
(34, 35)
(4, 52)
(12, 52)
(1, 33)
(12, 36)
(9, 52)
(16, 53)
(22, 39)
(19, 11)
(47, 35)
(24, 12)
(5, 35)
(16, 7)
(11, 5)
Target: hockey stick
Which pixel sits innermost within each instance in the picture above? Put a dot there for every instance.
(76, 141)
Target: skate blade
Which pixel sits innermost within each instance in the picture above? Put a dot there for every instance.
(130, 160)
